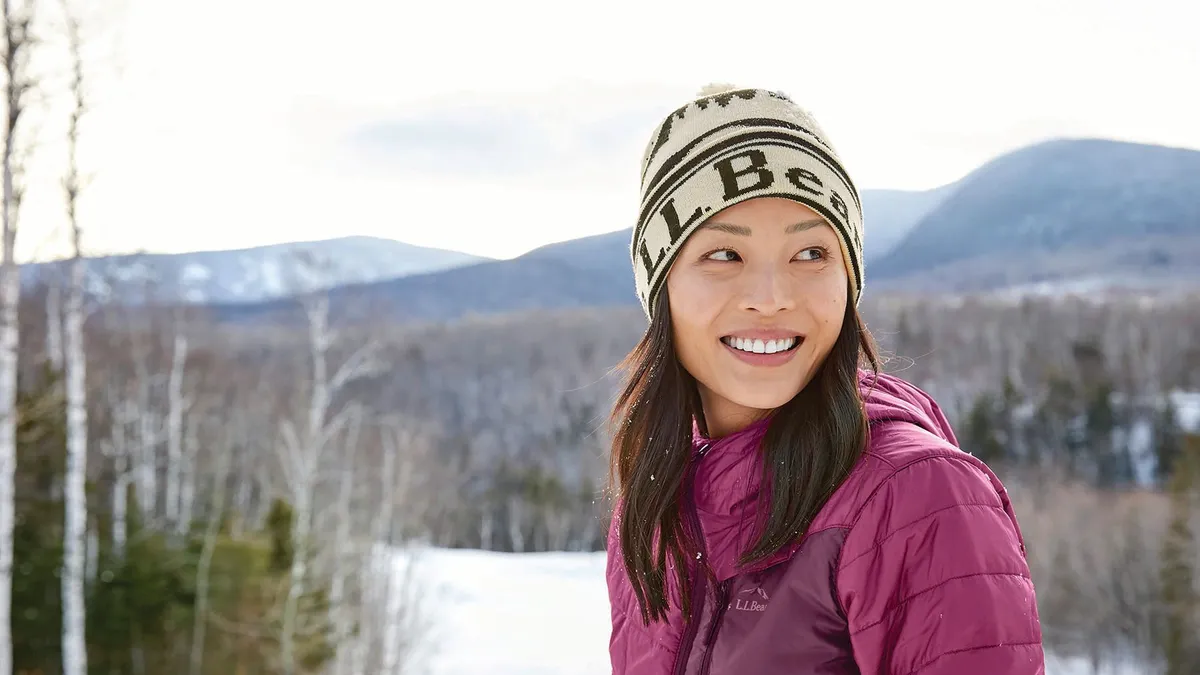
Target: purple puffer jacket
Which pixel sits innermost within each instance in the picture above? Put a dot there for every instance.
(915, 566)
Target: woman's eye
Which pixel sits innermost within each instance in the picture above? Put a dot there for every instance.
(814, 253)
(723, 255)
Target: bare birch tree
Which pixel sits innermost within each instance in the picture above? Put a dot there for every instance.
(74, 642)
(343, 548)
(215, 514)
(175, 410)
(302, 447)
(392, 621)
(150, 431)
(116, 447)
(16, 18)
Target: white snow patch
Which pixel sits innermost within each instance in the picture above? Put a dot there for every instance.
(535, 614)
(194, 273)
(272, 278)
(195, 295)
(1187, 409)
(1141, 447)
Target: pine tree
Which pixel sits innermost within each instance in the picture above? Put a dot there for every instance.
(134, 597)
(1167, 442)
(980, 433)
(1111, 471)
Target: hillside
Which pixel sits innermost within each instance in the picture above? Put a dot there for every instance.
(1113, 212)
(585, 272)
(1057, 216)
(891, 214)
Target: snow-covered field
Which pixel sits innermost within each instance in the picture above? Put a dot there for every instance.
(529, 614)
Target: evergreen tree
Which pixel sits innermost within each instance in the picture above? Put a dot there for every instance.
(135, 599)
(980, 435)
(1111, 466)
(1167, 442)
(1180, 643)
(1056, 431)
(140, 605)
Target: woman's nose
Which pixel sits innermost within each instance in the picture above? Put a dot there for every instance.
(767, 290)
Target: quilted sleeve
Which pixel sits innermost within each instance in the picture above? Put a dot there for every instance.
(933, 577)
(618, 647)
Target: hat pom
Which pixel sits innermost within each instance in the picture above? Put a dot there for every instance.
(714, 88)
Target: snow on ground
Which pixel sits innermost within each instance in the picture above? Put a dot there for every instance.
(533, 614)
(1187, 409)
(515, 614)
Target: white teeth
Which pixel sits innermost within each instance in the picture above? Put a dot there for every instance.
(760, 346)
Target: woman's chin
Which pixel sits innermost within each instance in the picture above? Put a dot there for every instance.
(762, 400)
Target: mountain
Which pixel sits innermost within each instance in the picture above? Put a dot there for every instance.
(1060, 212)
(604, 253)
(591, 271)
(889, 215)
(1069, 215)
(254, 274)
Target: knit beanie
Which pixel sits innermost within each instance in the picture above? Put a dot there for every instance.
(727, 146)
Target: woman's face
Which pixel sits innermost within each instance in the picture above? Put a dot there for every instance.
(757, 298)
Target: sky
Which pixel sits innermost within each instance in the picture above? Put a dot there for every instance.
(494, 128)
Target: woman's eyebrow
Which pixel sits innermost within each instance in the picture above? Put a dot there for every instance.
(743, 231)
(805, 225)
(740, 230)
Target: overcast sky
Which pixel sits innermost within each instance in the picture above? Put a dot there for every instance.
(496, 127)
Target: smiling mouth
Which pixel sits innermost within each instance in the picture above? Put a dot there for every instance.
(760, 346)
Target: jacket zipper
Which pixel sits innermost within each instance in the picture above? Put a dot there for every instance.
(700, 583)
(718, 615)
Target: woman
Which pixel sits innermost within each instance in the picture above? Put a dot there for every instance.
(779, 508)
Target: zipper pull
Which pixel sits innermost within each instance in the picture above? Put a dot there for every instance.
(703, 450)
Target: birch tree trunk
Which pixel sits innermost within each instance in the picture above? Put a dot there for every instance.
(175, 408)
(372, 571)
(147, 459)
(74, 643)
(187, 481)
(241, 500)
(383, 529)
(303, 447)
(516, 519)
(299, 569)
(217, 510)
(338, 592)
(305, 456)
(487, 526)
(117, 449)
(15, 48)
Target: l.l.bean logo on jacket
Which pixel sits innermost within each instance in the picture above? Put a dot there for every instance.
(751, 600)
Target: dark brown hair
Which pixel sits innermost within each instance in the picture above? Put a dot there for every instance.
(810, 445)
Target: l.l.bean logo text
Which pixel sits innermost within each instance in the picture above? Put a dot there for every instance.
(740, 173)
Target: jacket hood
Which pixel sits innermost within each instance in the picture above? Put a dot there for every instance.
(891, 399)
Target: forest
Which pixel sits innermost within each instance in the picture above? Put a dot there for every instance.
(260, 471)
